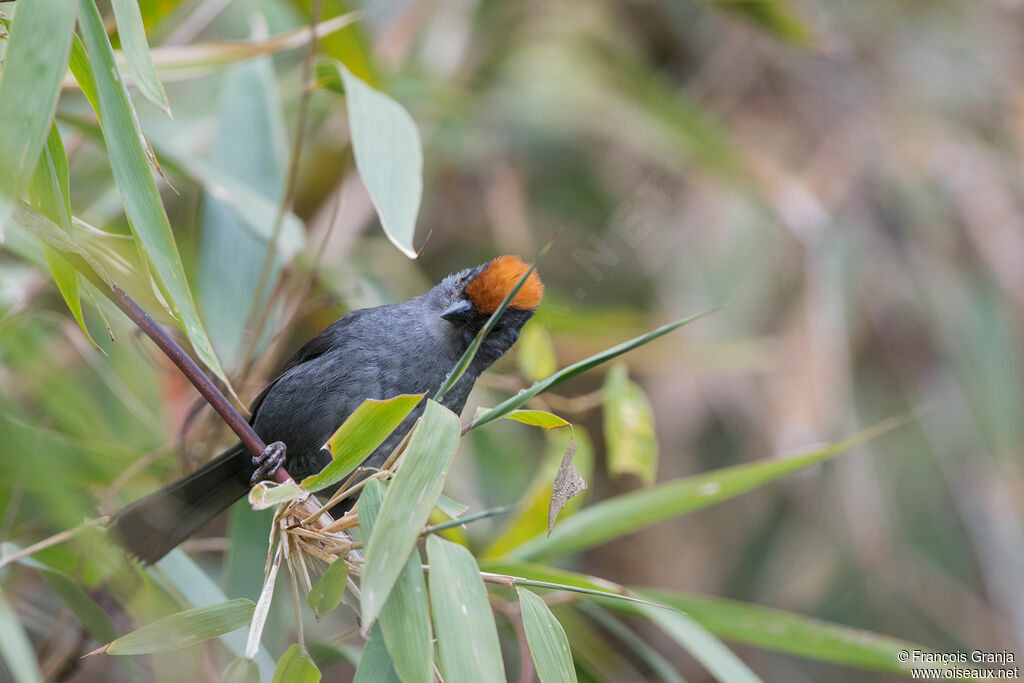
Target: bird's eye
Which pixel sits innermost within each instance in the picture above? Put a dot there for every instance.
(462, 279)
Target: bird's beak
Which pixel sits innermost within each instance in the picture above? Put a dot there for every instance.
(458, 312)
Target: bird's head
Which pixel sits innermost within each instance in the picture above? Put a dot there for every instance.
(468, 298)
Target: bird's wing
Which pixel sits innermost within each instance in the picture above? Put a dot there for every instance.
(314, 348)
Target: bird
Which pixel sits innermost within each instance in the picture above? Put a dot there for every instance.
(371, 353)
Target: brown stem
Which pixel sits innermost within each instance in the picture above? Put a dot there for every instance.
(195, 375)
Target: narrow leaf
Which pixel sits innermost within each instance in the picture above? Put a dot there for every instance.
(708, 650)
(375, 663)
(627, 513)
(50, 193)
(467, 357)
(407, 504)
(389, 156)
(78, 63)
(296, 667)
(467, 638)
(360, 435)
(15, 647)
(92, 616)
(576, 368)
(328, 591)
(537, 418)
(549, 645)
(782, 631)
(35, 60)
(183, 629)
(241, 670)
(136, 50)
(130, 165)
(405, 618)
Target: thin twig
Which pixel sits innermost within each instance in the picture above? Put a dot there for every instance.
(256, 319)
(51, 541)
(195, 375)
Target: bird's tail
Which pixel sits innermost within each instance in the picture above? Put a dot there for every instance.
(151, 527)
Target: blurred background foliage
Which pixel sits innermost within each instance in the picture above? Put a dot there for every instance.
(842, 179)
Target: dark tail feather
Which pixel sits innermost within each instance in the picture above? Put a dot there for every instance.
(153, 526)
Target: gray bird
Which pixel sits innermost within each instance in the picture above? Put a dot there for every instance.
(378, 353)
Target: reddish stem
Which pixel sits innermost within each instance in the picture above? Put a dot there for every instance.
(195, 375)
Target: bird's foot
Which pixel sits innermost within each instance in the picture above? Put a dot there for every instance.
(268, 462)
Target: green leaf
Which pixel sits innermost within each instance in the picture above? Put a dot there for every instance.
(78, 62)
(708, 650)
(296, 667)
(782, 631)
(328, 591)
(629, 427)
(777, 16)
(360, 435)
(241, 670)
(661, 667)
(92, 616)
(183, 629)
(467, 357)
(407, 504)
(534, 504)
(15, 647)
(375, 663)
(179, 574)
(34, 64)
(133, 42)
(536, 352)
(388, 154)
(576, 368)
(50, 193)
(549, 646)
(134, 179)
(537, 418)
(627, 513)
(467, 638)
(405, 618)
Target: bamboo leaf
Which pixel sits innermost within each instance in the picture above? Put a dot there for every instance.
(35, 60)
(407, 504)
(576, 368)
(375, 663)
(467, 638)
(782, 631)
(627, 513)
(537, 418)
(328, 591)
(389, 156)
(268, 494)
(405, 618)
(629, 427)
(241, 670)
(136, 50)
(50, 193)
(549, 645)
(467, 357)
(92, 616)
(723, 664)
(15, 647)
(296, 667)
(130, 165)
(183, 629)
(360, 435)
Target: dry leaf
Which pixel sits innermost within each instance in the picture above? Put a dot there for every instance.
(568, 483)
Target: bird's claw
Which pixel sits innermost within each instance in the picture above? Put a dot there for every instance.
(268, 462)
